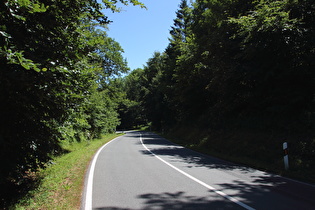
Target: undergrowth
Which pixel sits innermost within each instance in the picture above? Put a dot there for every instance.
(60, 184)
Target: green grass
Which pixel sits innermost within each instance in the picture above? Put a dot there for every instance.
(62, 181)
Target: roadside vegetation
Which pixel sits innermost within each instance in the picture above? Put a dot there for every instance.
(260, 150)
(236, 81)
(60, 184)
(58, 67)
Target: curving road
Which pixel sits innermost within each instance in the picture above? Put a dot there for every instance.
(141, 170)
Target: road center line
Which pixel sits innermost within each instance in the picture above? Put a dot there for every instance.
(234, 200)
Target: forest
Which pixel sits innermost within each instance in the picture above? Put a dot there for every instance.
(237, 79)
(57, 65)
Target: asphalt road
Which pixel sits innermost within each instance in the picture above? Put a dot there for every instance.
(141, 170)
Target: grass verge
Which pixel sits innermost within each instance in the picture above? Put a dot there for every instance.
(62, 181)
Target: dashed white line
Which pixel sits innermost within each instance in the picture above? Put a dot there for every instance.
(234, 200)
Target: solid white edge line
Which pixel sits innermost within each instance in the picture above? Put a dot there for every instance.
(234, 200)
(89, 185)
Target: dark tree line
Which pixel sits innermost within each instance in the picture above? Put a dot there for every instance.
(234, 66)
(56, 67)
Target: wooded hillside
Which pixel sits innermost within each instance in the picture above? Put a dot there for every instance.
(236, 79)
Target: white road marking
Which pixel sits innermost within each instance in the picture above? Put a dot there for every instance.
(234, 200)
(89, 185)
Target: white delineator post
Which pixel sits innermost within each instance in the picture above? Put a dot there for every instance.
(286, 155)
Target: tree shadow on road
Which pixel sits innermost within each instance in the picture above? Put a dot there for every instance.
(272, 191)
(163, 147)
(267, 190)
(179, 200)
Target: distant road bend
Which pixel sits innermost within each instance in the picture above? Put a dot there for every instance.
(141, 170)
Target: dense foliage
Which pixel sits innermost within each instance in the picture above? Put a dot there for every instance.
(55, 79)
(235, 67)
(238, 75)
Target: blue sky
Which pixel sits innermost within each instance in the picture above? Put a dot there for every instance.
(140, 32)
